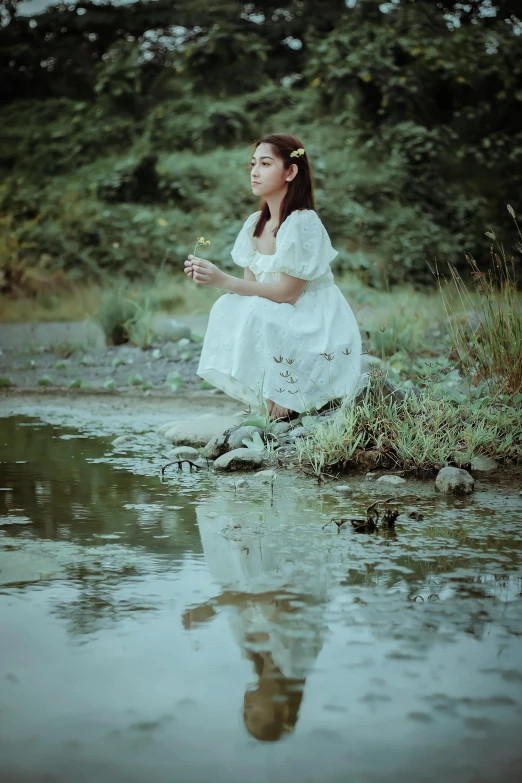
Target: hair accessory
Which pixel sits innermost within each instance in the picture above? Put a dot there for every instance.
(297, 153)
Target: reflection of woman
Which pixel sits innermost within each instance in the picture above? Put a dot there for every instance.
(276, 590)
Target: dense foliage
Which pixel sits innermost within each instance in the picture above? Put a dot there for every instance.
(125, 130)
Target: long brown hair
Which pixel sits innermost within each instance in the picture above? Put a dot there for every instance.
(300, 193)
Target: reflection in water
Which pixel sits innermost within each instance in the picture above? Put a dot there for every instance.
(337, 643)
(274, 597)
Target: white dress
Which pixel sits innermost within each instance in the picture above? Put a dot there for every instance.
(299, 355)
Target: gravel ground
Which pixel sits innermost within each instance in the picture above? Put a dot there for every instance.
(164, 369)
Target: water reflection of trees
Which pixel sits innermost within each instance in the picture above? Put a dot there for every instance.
(69, 497)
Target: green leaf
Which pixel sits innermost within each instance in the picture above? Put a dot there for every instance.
(256, 443)
(255, 421)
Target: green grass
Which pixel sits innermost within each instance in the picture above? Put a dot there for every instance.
(77, 383)
(425, 432)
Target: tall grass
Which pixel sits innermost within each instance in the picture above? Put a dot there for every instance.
(487, 335)
(431, 429)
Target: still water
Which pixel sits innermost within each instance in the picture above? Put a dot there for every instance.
(192, 630)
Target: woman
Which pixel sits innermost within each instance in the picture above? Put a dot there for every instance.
(285, 335)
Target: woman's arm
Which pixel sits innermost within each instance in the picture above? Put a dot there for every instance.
(249, 275)
(286, 291)
(203, 272)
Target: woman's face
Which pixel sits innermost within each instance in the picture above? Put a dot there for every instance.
(267, 172)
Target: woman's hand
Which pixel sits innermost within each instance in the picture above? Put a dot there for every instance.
(204, 272)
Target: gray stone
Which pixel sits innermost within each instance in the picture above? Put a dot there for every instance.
(454, 481)
(235, 439)
(281, 427)
(298, 432)
(343, 488)
(120, 440)
(370, 476)
(167, 328)
(239, 459)
(216, 446)
(483, 463)
(390, 479)
(199, 431)
(184, 452)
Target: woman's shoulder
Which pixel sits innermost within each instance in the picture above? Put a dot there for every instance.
(303, 217)
(302, 221)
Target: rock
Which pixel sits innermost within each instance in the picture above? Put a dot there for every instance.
(120, 440)
(198, 432)
(281, 427)
(239, 459)
(343, 488)
(163, 428)
(235, 439)
(216, 446)
(242, 483)
(390, 479)
(455, 481)
(298, 432)
(167, 328)
(483, 463)
(184, 452)
(370, 476)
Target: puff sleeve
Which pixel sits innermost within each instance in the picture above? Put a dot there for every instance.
(305, 250)
(244, 249)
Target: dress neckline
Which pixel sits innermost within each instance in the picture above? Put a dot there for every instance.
(271, 255)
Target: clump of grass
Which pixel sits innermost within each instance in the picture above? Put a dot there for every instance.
(5, 383)
(44, 381)
(115, 313)
(77, 383)
(175, 382)
(487, 339)
(109, 384)
(119, 361)
(424, 431)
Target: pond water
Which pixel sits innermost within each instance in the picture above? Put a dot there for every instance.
(193, 630)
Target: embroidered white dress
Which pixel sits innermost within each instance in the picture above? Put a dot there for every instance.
(298, 355)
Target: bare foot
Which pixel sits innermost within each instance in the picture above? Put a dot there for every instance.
(278, 412)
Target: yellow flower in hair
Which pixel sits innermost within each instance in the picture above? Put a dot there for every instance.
(297, 153)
